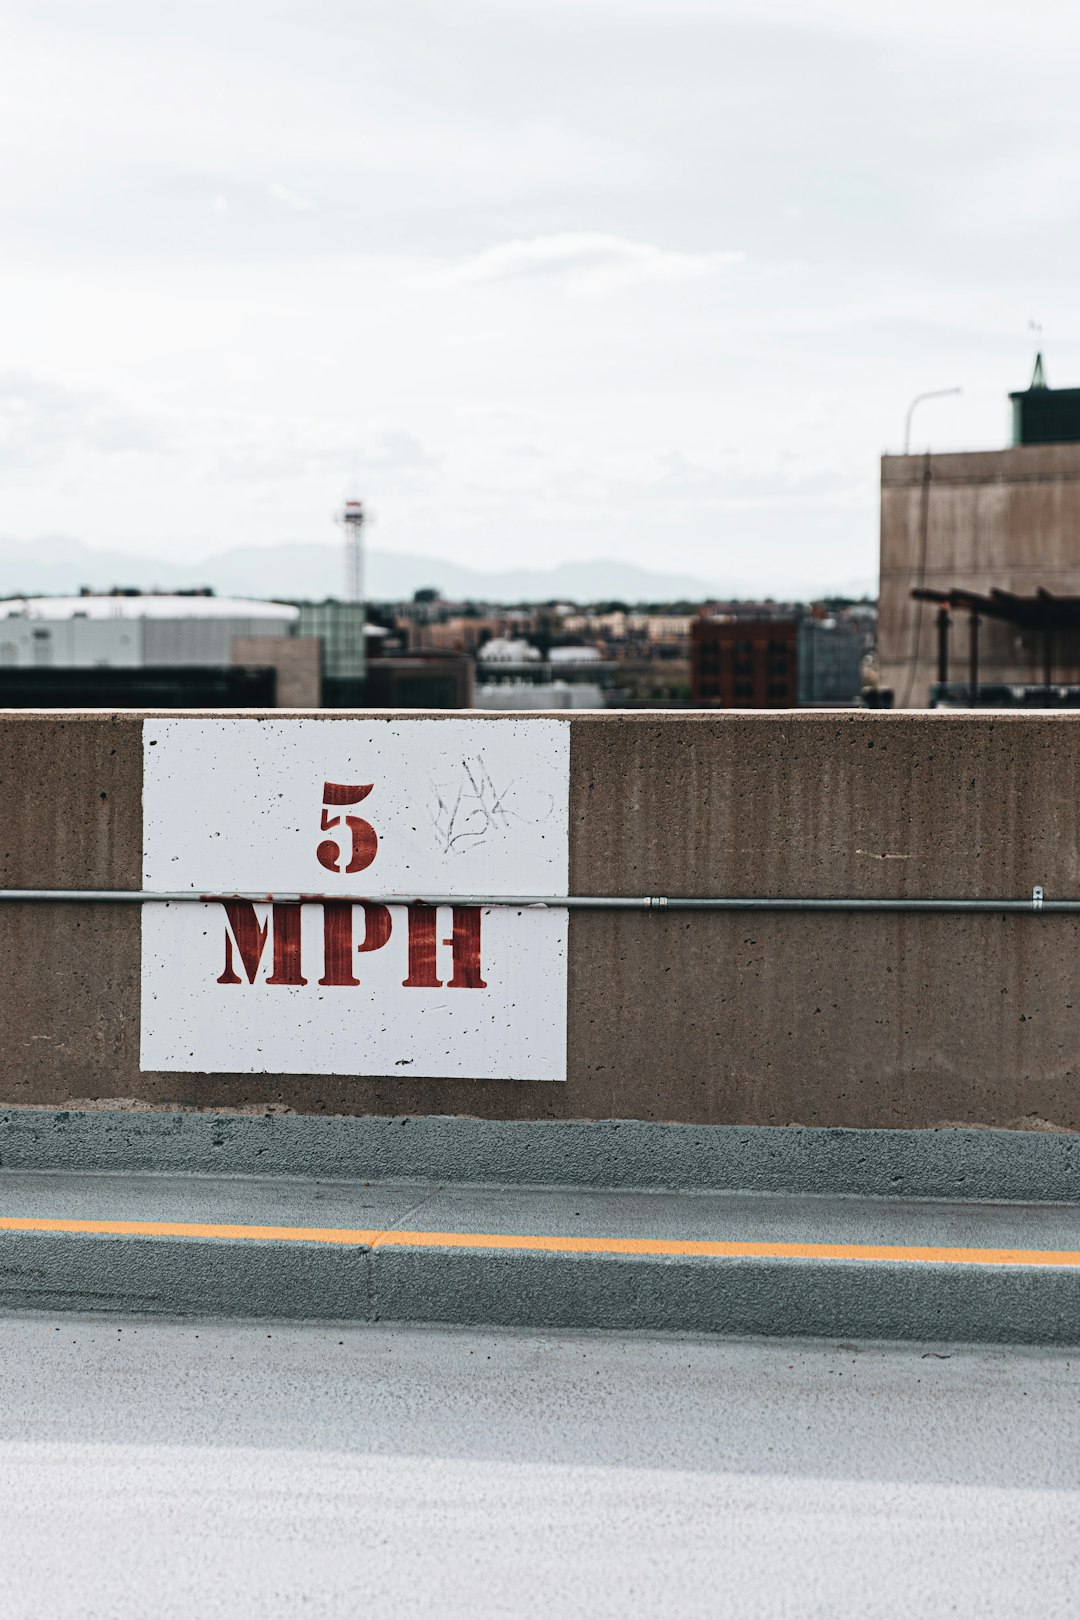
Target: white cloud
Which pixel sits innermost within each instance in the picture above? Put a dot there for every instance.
(43, 424)
(289, 198)
(591, 262)
(397, 459)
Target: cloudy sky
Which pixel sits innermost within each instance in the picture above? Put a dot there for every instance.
(542, 279)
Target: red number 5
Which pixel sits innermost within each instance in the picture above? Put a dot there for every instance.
(365, 840)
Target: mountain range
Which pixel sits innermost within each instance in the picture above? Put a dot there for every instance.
(56, 564)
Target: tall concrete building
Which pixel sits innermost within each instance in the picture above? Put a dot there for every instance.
(980, 564)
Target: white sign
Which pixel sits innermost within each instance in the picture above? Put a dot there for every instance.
(411, 808)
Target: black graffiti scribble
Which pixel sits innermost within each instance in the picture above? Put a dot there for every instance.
(474, 809)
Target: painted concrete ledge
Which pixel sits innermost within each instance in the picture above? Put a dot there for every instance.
(942, 1163)
(730, 1263)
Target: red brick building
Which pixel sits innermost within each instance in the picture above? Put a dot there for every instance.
(744, 663)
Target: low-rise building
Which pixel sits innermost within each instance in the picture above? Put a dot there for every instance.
(133, 629)
(129, 649)
(781, 661)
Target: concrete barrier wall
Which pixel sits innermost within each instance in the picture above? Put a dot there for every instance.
(736, 1019)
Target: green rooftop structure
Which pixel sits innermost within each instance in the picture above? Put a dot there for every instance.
(1044, 415)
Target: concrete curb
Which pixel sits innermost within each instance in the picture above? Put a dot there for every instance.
(991, 1165)
(42, 1271)
(188, 1277)
(741, 1298)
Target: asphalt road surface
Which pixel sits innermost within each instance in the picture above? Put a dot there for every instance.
(176, 1469)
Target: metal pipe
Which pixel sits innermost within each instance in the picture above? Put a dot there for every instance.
(571, 902)
(973, 660)
(943, 625)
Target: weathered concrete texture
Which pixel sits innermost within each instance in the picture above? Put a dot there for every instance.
(70, 800)
(70, 817)
(828, 1020)
(69, 1004)
(1002, 518)
(1021, 1166)
(824, 803)
(834, 1021)
(839, 1020)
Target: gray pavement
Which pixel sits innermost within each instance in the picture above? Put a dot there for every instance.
(575, 1211)
(194, 1468)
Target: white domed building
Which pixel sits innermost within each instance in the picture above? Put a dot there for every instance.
(129, 630)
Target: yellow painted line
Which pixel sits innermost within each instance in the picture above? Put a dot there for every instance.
(195, 1229)
(699, 1247)
(710, 1249)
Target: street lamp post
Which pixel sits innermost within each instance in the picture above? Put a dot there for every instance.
(935, 393)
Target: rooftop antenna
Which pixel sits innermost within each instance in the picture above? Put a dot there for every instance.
(352, 519)
(1038, 376)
